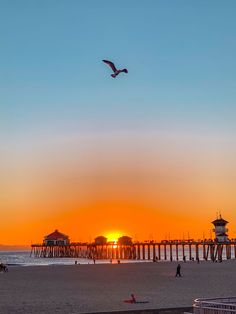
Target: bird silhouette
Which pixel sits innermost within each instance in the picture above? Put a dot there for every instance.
(114, 69)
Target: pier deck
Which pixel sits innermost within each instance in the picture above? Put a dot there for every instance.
(164, 250)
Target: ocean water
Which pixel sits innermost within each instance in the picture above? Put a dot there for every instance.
(22, 258)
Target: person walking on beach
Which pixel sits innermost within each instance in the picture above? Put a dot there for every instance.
(178, 274)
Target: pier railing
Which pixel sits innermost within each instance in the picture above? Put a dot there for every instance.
(215, 306)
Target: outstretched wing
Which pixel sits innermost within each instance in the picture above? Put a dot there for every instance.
(111, 64)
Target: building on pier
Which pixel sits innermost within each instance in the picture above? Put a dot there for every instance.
(220, 230)
(100, 240)
(56, 238)
(125, 240)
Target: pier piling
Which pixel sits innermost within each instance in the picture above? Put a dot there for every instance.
(165, 250)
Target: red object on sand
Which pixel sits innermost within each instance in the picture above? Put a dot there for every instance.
(132, 300)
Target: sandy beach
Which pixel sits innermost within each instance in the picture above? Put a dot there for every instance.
(101, 287)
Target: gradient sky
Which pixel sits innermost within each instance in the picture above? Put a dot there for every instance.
(150, 154)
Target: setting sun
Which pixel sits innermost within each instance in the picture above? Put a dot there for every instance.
(113, 236)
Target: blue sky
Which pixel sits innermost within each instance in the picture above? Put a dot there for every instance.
(180, 56)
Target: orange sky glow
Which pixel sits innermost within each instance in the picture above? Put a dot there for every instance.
(129, 185)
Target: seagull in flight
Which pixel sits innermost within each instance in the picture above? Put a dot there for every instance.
(114, 69)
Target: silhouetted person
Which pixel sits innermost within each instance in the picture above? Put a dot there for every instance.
(3, 268)
(184, 258)
(178, 274)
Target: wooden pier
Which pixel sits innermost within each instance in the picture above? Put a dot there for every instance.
(157, 251)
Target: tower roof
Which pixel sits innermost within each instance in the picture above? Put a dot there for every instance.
(219, 222)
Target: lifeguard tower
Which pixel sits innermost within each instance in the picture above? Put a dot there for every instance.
(220, 229)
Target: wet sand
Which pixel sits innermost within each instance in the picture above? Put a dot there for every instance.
(102, 288)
